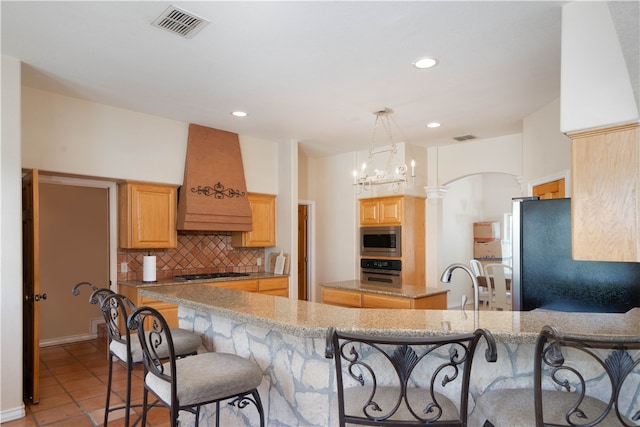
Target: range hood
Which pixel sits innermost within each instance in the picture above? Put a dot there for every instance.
(213, 196)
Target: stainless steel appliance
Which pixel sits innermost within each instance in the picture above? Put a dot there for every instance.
(546, 276)
(381, 271)
(381, 241)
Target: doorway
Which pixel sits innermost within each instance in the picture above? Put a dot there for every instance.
(303, 252)
(74, 247)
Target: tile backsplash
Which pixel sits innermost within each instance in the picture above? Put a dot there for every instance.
(195, 254)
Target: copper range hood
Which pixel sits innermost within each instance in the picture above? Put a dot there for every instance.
(213, 196)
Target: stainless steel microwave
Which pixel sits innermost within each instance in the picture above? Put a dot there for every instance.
(381, 241)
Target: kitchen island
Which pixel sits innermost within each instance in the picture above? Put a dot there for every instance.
(355, 293)
(286, 338)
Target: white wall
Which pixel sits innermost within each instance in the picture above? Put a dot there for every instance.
(11, 406)
(69, 135)
(336, 223)
(595, 87)
(546, 151)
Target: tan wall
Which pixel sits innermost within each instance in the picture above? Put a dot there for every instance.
(73, 248)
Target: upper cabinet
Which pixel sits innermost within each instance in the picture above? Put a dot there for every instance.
(147, 216)
(381, 211)
(263, 216)
(605, 199)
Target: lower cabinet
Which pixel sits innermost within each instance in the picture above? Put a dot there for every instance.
(168, 311)
(358, 299)
(277, 286)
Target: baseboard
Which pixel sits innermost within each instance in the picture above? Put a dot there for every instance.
(93, 327)
(67, 340)
(12, 414)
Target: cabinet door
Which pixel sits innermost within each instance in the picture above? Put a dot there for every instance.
(147, 216)
(240, 285)
(274, 286)
(381, 301)
(391, 211)
(340, 297)
(263, 218)
(605, 199)
(369, 212)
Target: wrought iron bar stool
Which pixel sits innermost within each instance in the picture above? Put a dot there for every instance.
(578, 380)
(404, 381)
(187, 384)
(115, 309)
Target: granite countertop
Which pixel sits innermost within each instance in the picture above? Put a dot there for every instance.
(309, 319)
(405, 291)
(173, 281)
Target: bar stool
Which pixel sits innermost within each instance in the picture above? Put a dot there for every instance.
(115, 309)
(404, 380)
(191, 382)
(563, 392)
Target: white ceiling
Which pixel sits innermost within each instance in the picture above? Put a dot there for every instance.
(310, 71)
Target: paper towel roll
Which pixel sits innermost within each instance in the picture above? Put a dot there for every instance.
(149, 269)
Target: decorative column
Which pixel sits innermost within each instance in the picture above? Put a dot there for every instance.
(434, 233)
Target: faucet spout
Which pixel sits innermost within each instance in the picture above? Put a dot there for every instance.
(446, 278)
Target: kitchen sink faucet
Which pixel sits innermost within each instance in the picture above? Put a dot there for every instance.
(446, 278)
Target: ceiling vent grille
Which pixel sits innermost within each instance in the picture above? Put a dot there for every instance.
(464, 137)
(181, 22)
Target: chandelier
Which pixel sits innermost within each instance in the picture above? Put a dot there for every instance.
(394, 171)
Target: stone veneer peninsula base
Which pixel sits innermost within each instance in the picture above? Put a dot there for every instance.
(286, 338)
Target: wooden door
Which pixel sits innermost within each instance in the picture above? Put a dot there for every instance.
(550, 190)
(303, 212)
(31, 287)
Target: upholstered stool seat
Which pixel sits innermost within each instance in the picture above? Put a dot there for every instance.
(515, 407)
(207, 376)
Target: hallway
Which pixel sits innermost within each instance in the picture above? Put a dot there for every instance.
(73, 383)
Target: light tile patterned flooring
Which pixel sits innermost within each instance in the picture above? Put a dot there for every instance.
(73, 386)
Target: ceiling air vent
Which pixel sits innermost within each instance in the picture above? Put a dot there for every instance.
(180, 22)
(464, 137)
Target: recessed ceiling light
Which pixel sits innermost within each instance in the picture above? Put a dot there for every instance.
(239, 114)
(433, 125)
(425, 62)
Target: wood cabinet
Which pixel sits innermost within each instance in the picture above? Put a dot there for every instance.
(358, 299)
(277, 286)
(381, 211)
(147, 216)
(263, 219)
(605, 199)
(168, 311)
(408, 212)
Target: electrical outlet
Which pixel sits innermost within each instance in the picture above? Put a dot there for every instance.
(123, 267)
(259, 263)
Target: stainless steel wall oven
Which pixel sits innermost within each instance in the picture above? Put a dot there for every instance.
(381, 271)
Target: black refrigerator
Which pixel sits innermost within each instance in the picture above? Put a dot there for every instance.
(545, 275)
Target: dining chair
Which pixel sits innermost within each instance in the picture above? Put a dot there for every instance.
(387, 380)
(483, 291)
(186, 384)
(500, 297)
(578, 380)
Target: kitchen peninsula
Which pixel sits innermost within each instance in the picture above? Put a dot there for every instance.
(286, 338)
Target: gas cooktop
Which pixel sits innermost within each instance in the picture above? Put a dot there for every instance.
(188, 277)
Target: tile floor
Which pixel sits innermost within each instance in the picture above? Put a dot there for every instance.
(73, 385)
